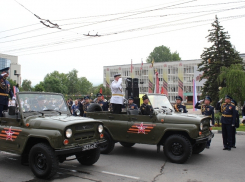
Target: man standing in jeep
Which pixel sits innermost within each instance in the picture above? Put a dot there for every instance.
(179, 107)
(117, 94)
(145, 108)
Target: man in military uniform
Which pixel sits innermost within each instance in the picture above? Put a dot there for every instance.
(228, 121)
(5, 91)
(207, 110)
(99, 100)
(86, 105)
(145, 108)
(237, 123)
(131, 104)
(117, 94)
(179, 107)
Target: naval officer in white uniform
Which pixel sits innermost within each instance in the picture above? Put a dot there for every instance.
(117, 94)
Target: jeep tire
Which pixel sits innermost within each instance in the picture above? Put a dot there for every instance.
(198, 148)
(94, 107)
(43, 161)
(126, 144)
(108, 146)
(177, 148)
(88, 157)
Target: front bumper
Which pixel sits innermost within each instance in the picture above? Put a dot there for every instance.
(205, 139)
(77, 149)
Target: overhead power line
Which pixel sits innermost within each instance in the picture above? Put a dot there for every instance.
(76, 40)
(146, 11)
(117, 40)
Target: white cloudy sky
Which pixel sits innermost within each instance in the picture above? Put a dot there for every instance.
(130, 29)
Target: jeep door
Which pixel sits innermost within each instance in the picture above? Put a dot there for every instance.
(117, 125)
(141, 129)
(10, 135)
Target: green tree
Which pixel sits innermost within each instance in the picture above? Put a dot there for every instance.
(72, 82)
(105, 91)
(26, 85)
(233, 77)
(12, 83)
(84, 86)
(55, 82)
(163, 54)
(39, 87)
(221, 53)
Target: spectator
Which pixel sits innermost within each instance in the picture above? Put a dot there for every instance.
(74, 108)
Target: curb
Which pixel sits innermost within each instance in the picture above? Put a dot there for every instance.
(220, 132)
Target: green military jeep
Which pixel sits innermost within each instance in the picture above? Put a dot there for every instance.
(180, 134)
(41, 129)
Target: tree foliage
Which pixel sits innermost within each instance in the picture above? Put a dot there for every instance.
(233, 77)
(39, 87)
(221, 53)
(163, 54)
(26, 85)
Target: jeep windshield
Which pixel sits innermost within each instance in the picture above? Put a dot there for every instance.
(39, 102)
(159, 101)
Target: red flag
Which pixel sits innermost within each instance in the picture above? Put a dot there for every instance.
(157, 83)
(141, 65)
(101, 93)
(161, 90)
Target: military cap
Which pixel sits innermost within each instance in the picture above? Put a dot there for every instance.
(228, 97)
(118, 74)
(131, 98)
(208, 98)
(99, 94)
(233, 101)
(144, 97)
(86, 97)
(4, 69)
(179, 98)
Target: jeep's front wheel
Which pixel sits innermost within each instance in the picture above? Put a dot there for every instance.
(177, 148)
(43, 161)
(88, 157)
(198, 148)
(126, 144)
(108, 146)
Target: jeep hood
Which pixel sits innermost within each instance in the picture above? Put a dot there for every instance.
(181, 118)
(56, 122)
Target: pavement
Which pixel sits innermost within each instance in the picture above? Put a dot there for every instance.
(141, 163)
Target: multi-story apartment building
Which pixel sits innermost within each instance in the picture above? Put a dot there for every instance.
(175, 77)
(15, 68)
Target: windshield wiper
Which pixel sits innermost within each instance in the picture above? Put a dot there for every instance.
(52, 110)
(165, 107)
(34, 111)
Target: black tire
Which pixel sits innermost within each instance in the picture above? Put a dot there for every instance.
(43, 161)
(88, 157)
(108, 146)
(198, 148)
(126, 144)
(177, 148)
(94, 107)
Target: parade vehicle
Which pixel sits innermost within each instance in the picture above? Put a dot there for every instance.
(41, 129)
(180, 134)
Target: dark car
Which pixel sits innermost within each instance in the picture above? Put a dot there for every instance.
(180, 134)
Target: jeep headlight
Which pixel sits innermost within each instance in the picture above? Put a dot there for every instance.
(201, 126)
(100, 128)
(77, 111)
(68, 133)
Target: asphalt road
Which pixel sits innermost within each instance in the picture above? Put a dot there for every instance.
(141, 163)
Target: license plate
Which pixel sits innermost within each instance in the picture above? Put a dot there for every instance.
(90, 146)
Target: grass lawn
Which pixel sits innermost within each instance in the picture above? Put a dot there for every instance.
(241, 128)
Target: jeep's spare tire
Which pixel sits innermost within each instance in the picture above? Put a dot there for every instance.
(43, 161)
(126, 144)
(177, 148)
(198, 148)
(94, 107)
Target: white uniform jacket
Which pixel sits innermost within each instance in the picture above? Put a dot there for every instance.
(116, 90)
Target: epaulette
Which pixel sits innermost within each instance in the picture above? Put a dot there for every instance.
(236, 108)
(183, 104)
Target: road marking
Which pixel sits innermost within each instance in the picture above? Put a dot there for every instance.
(122, 175)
